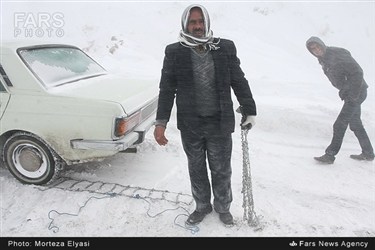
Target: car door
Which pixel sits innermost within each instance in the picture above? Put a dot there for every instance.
(4, 98)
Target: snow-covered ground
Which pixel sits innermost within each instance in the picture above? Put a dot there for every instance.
(293, 195)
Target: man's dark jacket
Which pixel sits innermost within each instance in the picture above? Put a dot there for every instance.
(177, 81)
(342, 71)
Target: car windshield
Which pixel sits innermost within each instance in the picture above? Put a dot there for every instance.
(60, 65)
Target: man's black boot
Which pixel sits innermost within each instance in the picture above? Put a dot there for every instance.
(198, 216)
(362, 157)
(326, 159)
(226, 218)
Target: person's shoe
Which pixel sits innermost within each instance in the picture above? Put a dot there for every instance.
(226, 218)
(362, 157)
(198, 216)
(326, 159)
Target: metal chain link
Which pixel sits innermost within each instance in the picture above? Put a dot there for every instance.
(247, 189)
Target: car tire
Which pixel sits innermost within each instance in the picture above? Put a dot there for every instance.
(29, 159)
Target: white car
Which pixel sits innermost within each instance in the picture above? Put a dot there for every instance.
(58, 106)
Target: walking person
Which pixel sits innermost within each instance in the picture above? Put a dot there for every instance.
(200, 71)
(346, 75)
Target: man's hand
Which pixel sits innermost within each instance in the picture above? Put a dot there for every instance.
(248, 122)
(159, 135)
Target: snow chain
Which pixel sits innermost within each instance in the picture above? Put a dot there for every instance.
(247, 190)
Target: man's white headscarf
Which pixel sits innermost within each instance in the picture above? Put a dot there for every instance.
(188, 40)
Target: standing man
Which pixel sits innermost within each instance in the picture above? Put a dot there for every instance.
(346, 75)
(200, 71)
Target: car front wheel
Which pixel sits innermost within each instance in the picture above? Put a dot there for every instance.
(29, 159)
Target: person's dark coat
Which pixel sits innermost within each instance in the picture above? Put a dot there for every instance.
(342, 71)
(177, 81)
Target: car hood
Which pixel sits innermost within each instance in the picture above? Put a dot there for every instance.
(132, 94)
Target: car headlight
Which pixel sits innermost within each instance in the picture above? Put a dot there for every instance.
(124, 125)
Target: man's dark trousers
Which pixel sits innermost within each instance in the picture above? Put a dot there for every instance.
(203, 142)
(350, 115)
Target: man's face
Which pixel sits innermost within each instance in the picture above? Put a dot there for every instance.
(316, 49)
(196, 23)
